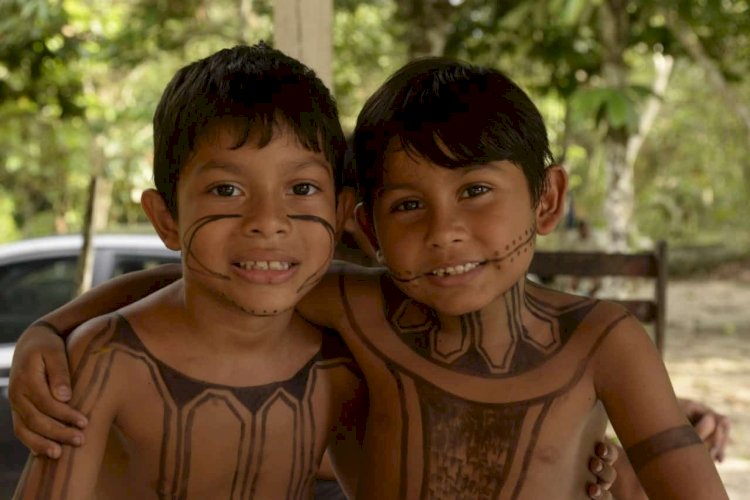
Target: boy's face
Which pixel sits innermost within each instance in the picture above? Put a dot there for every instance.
(256, 226)
(454, 240)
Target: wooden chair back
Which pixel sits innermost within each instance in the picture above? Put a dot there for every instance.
(600, 264)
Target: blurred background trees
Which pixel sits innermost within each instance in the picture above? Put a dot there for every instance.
(647, 102)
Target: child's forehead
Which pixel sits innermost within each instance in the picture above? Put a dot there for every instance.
(235, 133)
(228, 147)
(400, 155)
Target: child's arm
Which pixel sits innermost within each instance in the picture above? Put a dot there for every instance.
(711, 426)
(40, 383)
(632, 382)
(75, 474)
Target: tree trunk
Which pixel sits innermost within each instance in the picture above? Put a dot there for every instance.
(663, 65)
(96, 211)
(618, 205)
(85, 273)
(428, 23)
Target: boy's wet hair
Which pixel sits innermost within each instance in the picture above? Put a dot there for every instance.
(256, 91)
(452, 114)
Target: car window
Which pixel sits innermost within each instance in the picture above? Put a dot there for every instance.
(30, 289)
(129, 263)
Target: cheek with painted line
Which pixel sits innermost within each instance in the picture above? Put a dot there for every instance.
(189, 237)
(318, 274)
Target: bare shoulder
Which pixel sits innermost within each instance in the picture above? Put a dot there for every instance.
(326, 304)
(600, 328)
(600, 314)
(90, 339)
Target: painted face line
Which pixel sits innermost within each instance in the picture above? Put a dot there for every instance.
(315, 277)
(510, 253)
(311, 281)
(188, 244)
(266, 314)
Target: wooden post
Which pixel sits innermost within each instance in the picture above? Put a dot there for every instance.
(303, 29)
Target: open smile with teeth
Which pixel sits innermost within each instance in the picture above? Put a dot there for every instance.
(265, 265)
(454, 270)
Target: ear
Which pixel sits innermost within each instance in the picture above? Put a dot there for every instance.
(366, 226)
(551, 205)
(344, 209)
(158, 213)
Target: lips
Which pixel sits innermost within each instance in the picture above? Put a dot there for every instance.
(265, 265)
(455, 270)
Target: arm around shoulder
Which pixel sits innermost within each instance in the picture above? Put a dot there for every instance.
(96, 394)
(40, 383)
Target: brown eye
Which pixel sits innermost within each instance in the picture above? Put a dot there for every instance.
(304, 189)
(407, 206)
(474, 191)
(225, 190)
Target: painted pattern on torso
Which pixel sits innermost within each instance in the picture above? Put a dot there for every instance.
(475, 443)
(255, 459)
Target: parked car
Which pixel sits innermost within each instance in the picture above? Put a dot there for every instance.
(38, 275)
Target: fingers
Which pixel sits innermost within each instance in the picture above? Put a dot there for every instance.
(56, 365)
(604, 472)
(608, 452)
(41, 433)
(40, 420)
(721, 439)
(713, 428)
(601, 465)
(596, 491)
(33, 401)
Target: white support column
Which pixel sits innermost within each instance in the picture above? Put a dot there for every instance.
(303, 29)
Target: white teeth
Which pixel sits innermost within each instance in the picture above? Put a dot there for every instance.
(265, 265)
(453, 270)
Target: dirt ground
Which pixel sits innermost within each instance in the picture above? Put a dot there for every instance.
(708, 357)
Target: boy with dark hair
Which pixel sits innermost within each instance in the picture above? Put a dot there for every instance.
(482, 384)
(214, 387)
(469, 358)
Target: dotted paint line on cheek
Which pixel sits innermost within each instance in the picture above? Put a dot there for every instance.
(512, 250)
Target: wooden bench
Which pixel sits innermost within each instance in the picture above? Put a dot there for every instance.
(600, 264)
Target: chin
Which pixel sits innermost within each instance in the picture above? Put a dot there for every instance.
(457, 307)
(262, 307)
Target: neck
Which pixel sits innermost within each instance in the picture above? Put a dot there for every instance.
(495, 341)
(500, 319)
(222, 325)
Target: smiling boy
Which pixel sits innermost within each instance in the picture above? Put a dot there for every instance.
(488, 386)
(483, 385)
(214, 387)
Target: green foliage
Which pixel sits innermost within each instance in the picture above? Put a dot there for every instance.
(367, 49)
(79, 78)
(611, 106)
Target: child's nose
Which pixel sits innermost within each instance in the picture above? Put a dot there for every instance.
(266, 217)
(444, 229)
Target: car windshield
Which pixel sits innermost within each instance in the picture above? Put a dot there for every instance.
(30, 289)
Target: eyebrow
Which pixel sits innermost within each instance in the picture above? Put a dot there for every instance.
(493, 165)
(237, 168)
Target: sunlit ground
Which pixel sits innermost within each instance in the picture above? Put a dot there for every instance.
(708, 358)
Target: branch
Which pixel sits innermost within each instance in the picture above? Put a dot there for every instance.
(663, 65)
